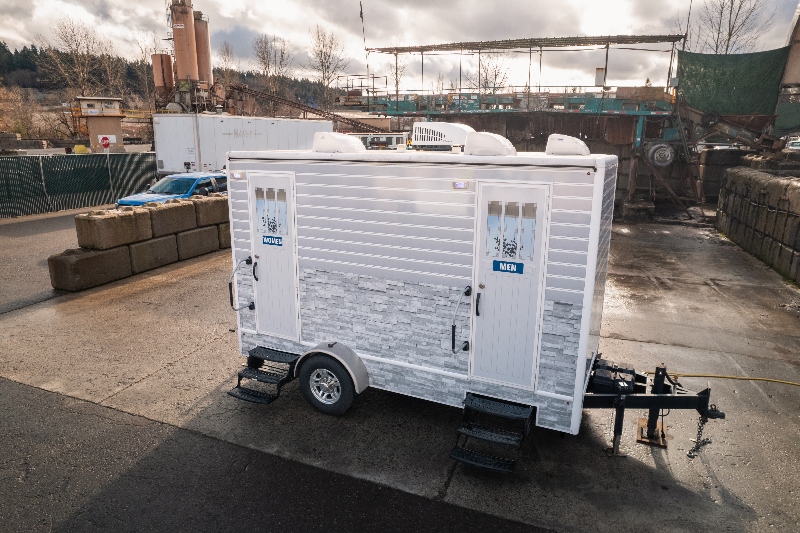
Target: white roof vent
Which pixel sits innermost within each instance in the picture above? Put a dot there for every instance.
(565, 145)
(483, 143)
(336, 143)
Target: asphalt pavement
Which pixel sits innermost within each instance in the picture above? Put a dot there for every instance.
(118, 418)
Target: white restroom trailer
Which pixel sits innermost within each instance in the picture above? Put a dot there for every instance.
(437, 275)
(200, 142)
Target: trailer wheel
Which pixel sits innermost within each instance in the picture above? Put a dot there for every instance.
(327, 385)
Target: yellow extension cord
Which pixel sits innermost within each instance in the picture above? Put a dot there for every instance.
(743, 378)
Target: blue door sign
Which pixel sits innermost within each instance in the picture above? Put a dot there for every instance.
(508, 266)
(272, 241)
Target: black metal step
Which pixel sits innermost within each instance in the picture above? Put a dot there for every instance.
(251, 395)
(482, 460)
(264, 376)
(276, 356)
(497, 407)
(500, 436)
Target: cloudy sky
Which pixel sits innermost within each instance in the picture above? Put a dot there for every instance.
(407, 22)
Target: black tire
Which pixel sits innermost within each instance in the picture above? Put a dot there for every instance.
(341, 395)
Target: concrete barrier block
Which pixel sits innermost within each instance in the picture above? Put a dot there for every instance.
(154, 253)
(79, 269)
(759, 218)
(101, 230)
(794, 270)
(225, 235)
(747, 242)
(210, 210)
(793, 196)
(198, 242)
(790, 232)
(173, 216)
(782, 259)
(721, 221)
(765, 252)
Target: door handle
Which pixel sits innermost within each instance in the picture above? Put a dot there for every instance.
(255, 264)
(478, 304)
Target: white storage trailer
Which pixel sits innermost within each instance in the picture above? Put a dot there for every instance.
(472, 279)
(441, 276)
(200, 142)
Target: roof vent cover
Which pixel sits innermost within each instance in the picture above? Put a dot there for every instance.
(565, 145)
(336, 143)
(483, 143)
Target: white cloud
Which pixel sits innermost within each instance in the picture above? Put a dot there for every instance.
(389, 22)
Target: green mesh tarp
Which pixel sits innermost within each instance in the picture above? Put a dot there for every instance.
(38, 184)
(734, 84)
(131, 173)
(78, 181)
(21, 187)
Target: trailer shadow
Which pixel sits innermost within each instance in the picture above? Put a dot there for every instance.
(562, 482)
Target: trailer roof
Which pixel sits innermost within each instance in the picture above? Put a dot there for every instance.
(538, 159)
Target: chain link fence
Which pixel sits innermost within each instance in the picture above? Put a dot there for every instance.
(40, 184)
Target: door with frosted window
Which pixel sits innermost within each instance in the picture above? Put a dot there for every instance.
(508, 282)
(273, 230)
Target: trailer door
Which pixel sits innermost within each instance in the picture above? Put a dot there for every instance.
(273, 230)
(509, 276)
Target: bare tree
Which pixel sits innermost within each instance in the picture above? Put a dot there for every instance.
(227, 64)
(397, 71)
(493, 74)
(326, 59)
(80, 60)
(438, 85)
(147, 44)
(274, 62)
(728, 26)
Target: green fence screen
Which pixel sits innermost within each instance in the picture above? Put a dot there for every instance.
(734, 84)
(39, 184)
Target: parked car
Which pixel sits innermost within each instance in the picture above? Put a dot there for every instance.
(793, 145)
(179, 186)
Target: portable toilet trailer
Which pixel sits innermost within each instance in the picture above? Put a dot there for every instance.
(471, 279)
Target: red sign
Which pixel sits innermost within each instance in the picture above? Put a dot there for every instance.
(105, 142)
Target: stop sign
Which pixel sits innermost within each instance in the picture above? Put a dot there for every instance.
(105, 142)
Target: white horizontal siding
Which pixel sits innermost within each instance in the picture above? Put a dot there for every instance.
(407, 222)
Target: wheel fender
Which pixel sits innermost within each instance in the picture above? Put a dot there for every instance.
(347, 357)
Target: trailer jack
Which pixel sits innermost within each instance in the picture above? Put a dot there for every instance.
(614, 387)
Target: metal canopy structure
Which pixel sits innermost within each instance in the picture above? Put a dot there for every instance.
(534, 42)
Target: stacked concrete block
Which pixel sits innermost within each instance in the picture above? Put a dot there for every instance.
(224, 235)
(118, 243)
(101, 230)
(760, 212)
(210, 210)
(197, 242)
(153, 253)
(172, 217)
(79, 269)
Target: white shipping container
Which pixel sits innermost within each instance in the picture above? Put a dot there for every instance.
(200, 142)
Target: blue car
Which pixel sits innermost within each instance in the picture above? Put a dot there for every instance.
(179, 186)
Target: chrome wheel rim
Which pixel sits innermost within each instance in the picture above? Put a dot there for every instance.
(325, 386)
